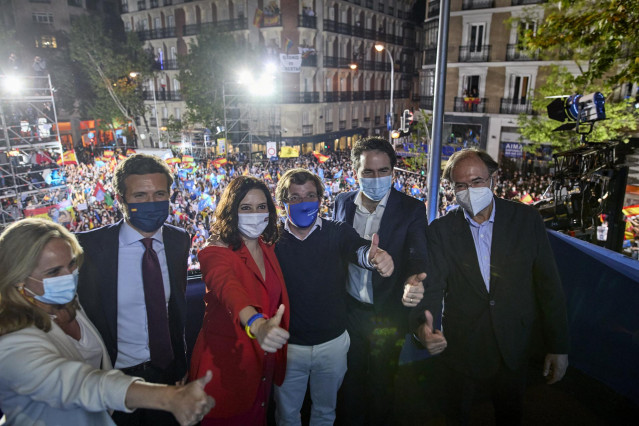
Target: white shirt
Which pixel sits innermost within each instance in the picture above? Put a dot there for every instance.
(133, 329)
(360, 280)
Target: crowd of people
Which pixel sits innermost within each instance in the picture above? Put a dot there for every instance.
(199, 184)
(315, 270)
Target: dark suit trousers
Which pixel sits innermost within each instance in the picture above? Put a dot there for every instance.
(367, 394)
(143, 417)
(505, 389)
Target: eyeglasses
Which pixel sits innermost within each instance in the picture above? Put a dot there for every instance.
(461, 186)
(296, 199)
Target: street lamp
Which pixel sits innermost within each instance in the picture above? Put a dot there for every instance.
(379, 47)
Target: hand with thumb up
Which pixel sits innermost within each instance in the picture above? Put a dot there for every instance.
(433, 340)
(268, 333)
(380, 259)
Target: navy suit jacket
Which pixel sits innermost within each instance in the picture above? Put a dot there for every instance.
(483, 327)
(402, 233)
(98, 286)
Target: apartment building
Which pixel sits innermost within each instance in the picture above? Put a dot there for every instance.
(333, 85)
(489, 80)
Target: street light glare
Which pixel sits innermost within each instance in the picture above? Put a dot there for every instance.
(353, 66)
(133, 74)
(13, 83)
(270, 68)
(379, 47)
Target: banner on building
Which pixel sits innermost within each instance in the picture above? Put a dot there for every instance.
(221, 146)
(290, 63)
(513, 150)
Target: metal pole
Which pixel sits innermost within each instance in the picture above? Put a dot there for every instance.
(435, 149)
(392, 88)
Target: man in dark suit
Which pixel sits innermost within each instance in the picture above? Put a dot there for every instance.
(377, 314)
(114, 282)
(491, 266)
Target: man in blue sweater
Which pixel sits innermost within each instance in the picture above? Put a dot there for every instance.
(314, 254)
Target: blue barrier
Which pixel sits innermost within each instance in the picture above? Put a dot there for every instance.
(602, 296)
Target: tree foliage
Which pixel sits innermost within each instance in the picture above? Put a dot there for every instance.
(598, 36)
(107, 58)
(213, 59)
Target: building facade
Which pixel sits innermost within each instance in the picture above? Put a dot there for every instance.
(333, 85)
(489, 79)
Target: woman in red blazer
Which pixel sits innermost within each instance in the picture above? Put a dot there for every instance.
(244, 331)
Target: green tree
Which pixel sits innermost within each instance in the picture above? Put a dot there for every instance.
(107, 57)
(599, 37)
(213, 59)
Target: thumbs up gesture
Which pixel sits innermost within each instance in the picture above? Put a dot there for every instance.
(413, 290)
(433, 340)
(189, 403)
(380, 259)
(269, 334)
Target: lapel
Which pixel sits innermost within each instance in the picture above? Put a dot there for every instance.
(172, 250)
(246, 257)
(499, 247)
(349, 207)
(392, 214)
(108, 252)
(464, 248)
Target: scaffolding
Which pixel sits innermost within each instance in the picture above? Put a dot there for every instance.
(31, 181)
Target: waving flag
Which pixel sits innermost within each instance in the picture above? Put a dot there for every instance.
(187, 159)
(338, 174)
(219, 162)
(321, 157)
(99, 192)
(107, 153)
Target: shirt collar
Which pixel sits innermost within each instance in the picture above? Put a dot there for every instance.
(318, 223)
(382, 203)
(128, 235)
(472, 222)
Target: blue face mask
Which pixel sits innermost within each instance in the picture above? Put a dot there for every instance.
(302, 214)
(148, 217)
(376, 188)
(57, 290)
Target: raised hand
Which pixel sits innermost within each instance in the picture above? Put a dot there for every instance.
(413, 290)
(380, 259)
(433, 340)
(269, 334)
(190, 403)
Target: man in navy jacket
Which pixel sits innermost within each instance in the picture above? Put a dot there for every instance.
(377, 306)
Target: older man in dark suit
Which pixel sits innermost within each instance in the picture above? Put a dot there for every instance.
(491, 269)
(133, 280)
(377, 313)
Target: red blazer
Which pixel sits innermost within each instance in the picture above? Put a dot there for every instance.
(233, 282)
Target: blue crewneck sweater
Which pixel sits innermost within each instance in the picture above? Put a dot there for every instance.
(315, 272)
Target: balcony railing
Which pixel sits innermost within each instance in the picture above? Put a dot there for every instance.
(430, 55)
(515, 106)
(142, 5)
(367, 121)
(124, 7)
(309, 61)
(328, 126)
(378, 120)
(167, 64)
(307, 21)
(300, 97)
(354, 123)
(524, 2)
(359, 31)
(162, 95)
(153, 3)
(336, 62)
(345, 96)
(226, 25)
(474, 53)
(307, 130)
(342, 124)
(358, 96)
(477, 4)
(513, 53)
(465, 104)
(153, 122)
(156, 33)
(426, 102)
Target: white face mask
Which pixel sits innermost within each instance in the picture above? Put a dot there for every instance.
(251, 225)
(474, 200)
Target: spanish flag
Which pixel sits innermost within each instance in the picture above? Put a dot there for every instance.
(121, 157)
(257, 19)
(527, 199)
(187, 159)
(68, 157)
(630, 213)
(130, 151)
(107, 153)
(245, 172)
(321, 157)
(219, 162)
(173, 160)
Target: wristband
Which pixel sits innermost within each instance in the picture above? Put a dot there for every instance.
(251, 320)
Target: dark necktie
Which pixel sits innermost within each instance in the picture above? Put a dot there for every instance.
(159, 337)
